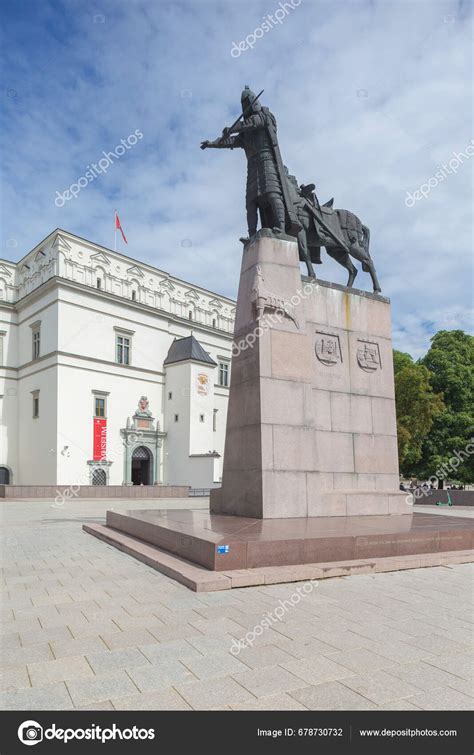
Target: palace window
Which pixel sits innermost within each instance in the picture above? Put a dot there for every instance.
(99, 407)
(100, 403)
(123, 350)
(123, 345)
(214, 420)
(99, 283)
(36, 344)
(36, 404)
(2, 336)
(36, 339)
(223, 375)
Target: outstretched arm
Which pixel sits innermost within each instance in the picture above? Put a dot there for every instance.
(229, 142)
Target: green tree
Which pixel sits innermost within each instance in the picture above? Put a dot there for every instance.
(417, 407)
(450, 361)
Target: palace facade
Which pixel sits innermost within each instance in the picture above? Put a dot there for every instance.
(111, 371)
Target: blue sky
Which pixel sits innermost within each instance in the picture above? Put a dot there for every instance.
(371, 99)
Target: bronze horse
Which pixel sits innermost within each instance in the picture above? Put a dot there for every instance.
(323, 226)
(339, 231)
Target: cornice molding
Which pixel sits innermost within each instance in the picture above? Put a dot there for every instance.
(124, 258)
(133, 304)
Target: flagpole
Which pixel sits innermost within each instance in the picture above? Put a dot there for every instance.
(115, 230)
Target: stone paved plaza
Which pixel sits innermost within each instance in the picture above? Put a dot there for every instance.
(86, 626)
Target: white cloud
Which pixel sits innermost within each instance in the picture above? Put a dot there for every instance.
(166, 69)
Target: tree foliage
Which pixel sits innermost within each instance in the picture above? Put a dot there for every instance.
(435, 408)
(450, 361)
(417, 406)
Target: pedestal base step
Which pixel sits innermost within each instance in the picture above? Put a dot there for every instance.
(199, 579)
(222, 542)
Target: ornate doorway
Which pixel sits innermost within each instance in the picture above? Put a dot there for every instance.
(142, 466)
(142, 440)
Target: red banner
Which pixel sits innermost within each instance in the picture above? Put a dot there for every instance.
(100, 439)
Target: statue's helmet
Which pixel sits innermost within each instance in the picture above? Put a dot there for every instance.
(247, 99)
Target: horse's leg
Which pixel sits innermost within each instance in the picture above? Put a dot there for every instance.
(363, 256)
(347, 263)
(340, 255)
(304, 253)
(373, 275)
(370, 264)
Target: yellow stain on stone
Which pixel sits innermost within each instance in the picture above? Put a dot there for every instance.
(347, 310)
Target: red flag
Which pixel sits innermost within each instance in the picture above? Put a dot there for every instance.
(118, 225)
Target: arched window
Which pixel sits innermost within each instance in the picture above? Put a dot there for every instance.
(190, 311)
(4, 476)
(134, 290)
(100, 277)
(99, 477)
(215, 318)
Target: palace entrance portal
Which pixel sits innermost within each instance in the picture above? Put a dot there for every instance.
(142, 466)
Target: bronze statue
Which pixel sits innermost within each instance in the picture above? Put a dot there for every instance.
(285, 207)
(255, 131)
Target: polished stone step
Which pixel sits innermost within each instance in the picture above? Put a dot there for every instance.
(200, 579)
(221, 542)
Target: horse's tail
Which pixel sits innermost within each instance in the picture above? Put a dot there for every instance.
(366, 244)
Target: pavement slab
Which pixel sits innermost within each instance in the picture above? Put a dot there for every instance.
(86, 626)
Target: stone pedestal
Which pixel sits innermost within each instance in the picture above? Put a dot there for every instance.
(311, 448)
(311, 427)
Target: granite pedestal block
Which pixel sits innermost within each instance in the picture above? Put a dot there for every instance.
(311, 427)
(225, 543)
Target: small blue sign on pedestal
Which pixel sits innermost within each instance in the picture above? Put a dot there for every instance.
(222, 548)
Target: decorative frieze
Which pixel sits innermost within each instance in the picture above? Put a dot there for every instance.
(83, 263)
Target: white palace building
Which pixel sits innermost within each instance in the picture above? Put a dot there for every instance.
(111, 371)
